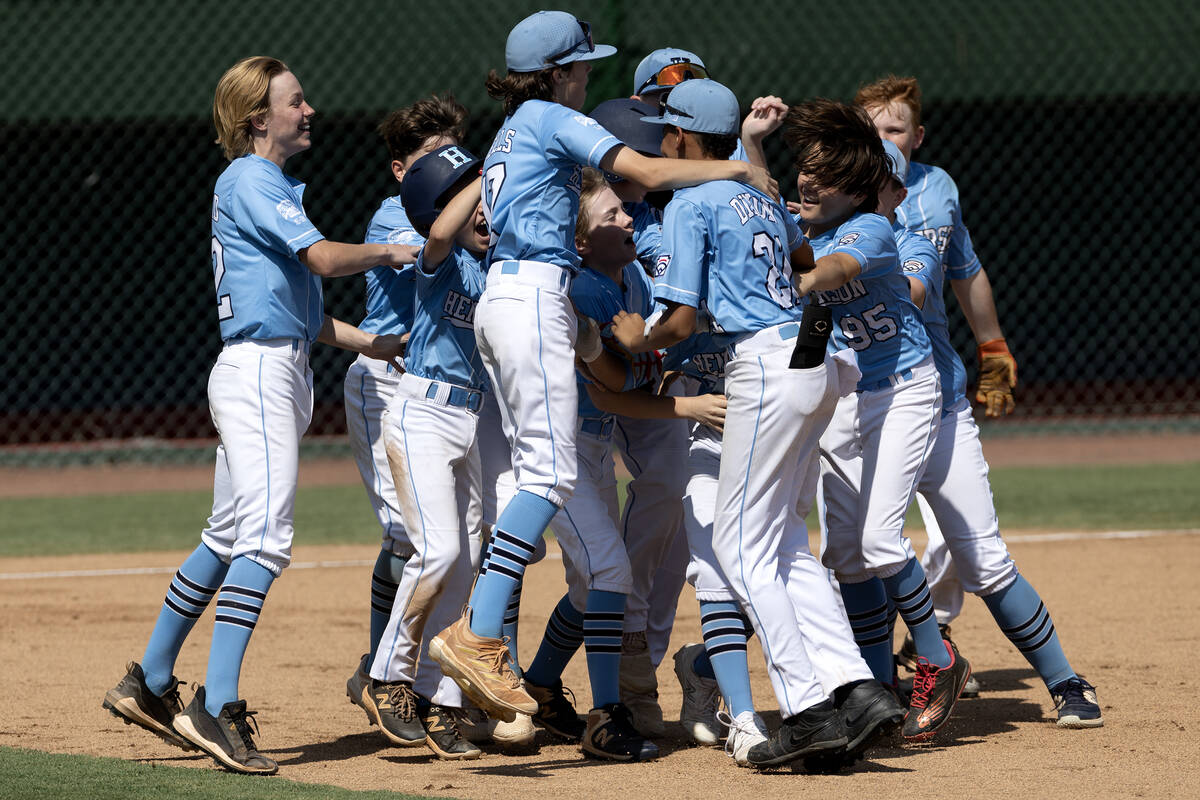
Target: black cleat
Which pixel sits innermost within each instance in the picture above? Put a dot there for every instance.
(816, 730)
(935, 691)
(393, 707)
(870, 711)
(226, 737)
(132, 702)
(555, 712)
(443, 736)
(610, 735)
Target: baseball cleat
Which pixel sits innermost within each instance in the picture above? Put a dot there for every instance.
(815, 730)
(907, 658)
(935, 691)
(516, 734)
(870, 711)
(443, 736)
(555, 712)
(132, 702)
(473, 724)
(639, 685)
(393, 707)
(357, 682)
(701, 697)
(480, 666)
(1076, 703)
(610, 735)
(226, 737)
(745, 731)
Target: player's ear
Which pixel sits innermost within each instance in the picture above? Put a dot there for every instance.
(398, 169)
(582, 247)
(920, 137)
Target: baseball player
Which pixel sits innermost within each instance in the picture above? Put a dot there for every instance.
(526, 325)
(875, 449)
(932, 210)
(726, 257)
(268, 261)
(956, 487)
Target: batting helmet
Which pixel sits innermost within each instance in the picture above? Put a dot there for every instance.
(429, 182)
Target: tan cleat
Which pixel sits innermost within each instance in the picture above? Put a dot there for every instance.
(479, 665)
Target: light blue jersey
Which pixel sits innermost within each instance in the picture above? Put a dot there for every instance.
(874, 314)
(258, 227)
(391, 292)
(532, 177)
(727, 250)
(702, 357)
(647, 231)
(919, 259)
(932, 210)
(596, 296)
(442, 346)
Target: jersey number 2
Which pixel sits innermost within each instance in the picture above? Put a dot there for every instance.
(224, 304)
(779, 276)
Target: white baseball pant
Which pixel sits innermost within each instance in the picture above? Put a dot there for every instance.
(593, 554)
(956, 486)
(435, 465)
(495, 458)
(260, 397)
(369, 385)
(874, 453)
(774, 418)
(525, 326)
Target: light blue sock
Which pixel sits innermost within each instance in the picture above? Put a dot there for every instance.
(564, 634)
(725, 630)
(1023, 617)
(238, 606)
(194, 584)
(867, 609)
(514, 540)
(512, 616)
(385, 579)
(909, 591)
(602, 625)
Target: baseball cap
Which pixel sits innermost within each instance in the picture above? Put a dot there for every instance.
(427, 183)
(896, 161)
(551, 38)
(685, 65)
(623, 118)
(701, 106)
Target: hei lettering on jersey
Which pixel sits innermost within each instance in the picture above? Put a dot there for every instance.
(874, 313)
(258, 229)
(531, 182)
(921, 260)
(932, 210)
(701, 357)
(728, 250)
(391, 292)
(442, 344)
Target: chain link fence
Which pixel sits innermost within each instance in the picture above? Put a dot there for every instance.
(1069, 127)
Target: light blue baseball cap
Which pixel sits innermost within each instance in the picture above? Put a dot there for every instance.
(644, 77)
(896, 161)
(701, 106)
(551, 38)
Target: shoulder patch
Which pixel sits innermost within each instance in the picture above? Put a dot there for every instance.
(287, 209)
(586, 122)
(661, 264)
(912, 265)
(849, 238)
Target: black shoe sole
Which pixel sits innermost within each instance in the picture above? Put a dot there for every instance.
(601, 755)
(815, 748)
(886, 725)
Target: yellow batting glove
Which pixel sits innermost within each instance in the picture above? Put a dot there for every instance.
(997, 377)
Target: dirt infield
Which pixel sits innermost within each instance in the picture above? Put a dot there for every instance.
(1000, 452)
(1126, 611)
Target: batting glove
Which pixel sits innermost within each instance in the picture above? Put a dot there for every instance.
(997, 377)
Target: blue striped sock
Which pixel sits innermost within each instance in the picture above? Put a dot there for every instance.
(867, 609)
(1023, 617)
(193, 586)
(564, 634)
(602, 626)
(512, 615)
(726, 630)
(238, 605)
(909, 591)
(385, 579)
(513, 543)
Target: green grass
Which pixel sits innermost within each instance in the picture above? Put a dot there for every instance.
(1058, 498)
(31, 775)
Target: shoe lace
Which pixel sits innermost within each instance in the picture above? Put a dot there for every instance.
(923, 682)
(736, 726)
(497, 657)
(243, 721)
(170, 697)
(1071, 691)
(403, 700)
(450, 718)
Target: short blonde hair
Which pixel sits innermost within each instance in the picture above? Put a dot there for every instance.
(892, 89)
(592, 185)
(242, 94)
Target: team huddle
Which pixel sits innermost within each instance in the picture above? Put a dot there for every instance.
(630, 279)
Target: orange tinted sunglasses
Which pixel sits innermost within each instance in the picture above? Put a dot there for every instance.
(675, 74)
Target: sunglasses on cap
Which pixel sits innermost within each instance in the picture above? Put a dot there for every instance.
(675, 74)
(588, 42)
